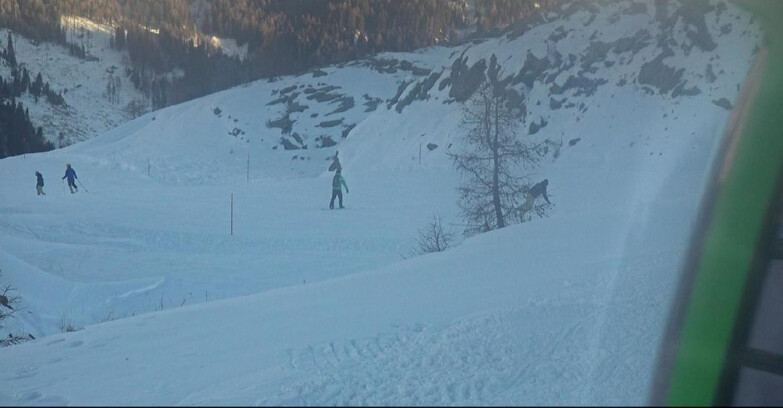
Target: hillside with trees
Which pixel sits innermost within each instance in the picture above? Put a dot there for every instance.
(282, 37)
(173, 46)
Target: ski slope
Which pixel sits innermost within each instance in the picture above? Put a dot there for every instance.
(296, 304)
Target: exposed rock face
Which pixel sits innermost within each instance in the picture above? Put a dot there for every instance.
(664, 49)
(531, 70)
(536, 126)
(659, 75)
(724, 103)
(465, 81)
(692, 13)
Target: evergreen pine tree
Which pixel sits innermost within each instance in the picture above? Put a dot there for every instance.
(10, 53)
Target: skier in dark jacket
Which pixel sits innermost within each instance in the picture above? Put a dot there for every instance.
(534, 192)
(71, 175)
(39, 183)
(338, 182)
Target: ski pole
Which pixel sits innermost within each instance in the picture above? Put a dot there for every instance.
(63, 186)
(80, 183)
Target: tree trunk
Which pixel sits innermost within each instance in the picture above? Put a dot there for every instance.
(496, 171)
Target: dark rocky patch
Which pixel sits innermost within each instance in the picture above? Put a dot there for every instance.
(515, 101)
(383, 65)
(347, 130)
(428, 84)
(400, 90)
(278, 100)
(465, 81)
(725, 29)
(420, 71)
(371, 103)
(216, 111)
(681, 90)
(559, 33)
(550, 78)
(318, 73)
(297, 138)
(573, 142)
(692, 13)
(287, 145)
(323, 97)
(346, 102)
(330, 123)
(285, 124)
(324, 94)
(595, 52)
(583, 85)
(444, 83)
(554, 104)
(659, 75)
(431, 146)
(326, 141)
(723, 103)
(287, 89)
(635, 43)
(711, 77)
(419, 92)
(295, 107)
(535, 127)
(531, 70)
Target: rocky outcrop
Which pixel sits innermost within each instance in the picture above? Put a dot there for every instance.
(659, 75)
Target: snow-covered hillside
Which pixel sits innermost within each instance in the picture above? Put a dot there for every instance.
(294, 304)
(90, 108)
(83, 83)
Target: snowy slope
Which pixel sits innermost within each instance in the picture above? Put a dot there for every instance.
(306, 306)
(89, 112)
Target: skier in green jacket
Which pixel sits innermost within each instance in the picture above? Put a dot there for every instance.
(338, 182)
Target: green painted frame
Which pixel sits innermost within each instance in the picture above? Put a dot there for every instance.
(728, 240)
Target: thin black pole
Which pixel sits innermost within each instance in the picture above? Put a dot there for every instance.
(248, 168)
(232, 214)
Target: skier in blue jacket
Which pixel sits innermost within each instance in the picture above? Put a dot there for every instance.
(71, 175)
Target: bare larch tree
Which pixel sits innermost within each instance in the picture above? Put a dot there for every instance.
(493, 161)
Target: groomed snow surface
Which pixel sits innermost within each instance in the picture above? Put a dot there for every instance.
(303, 305)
